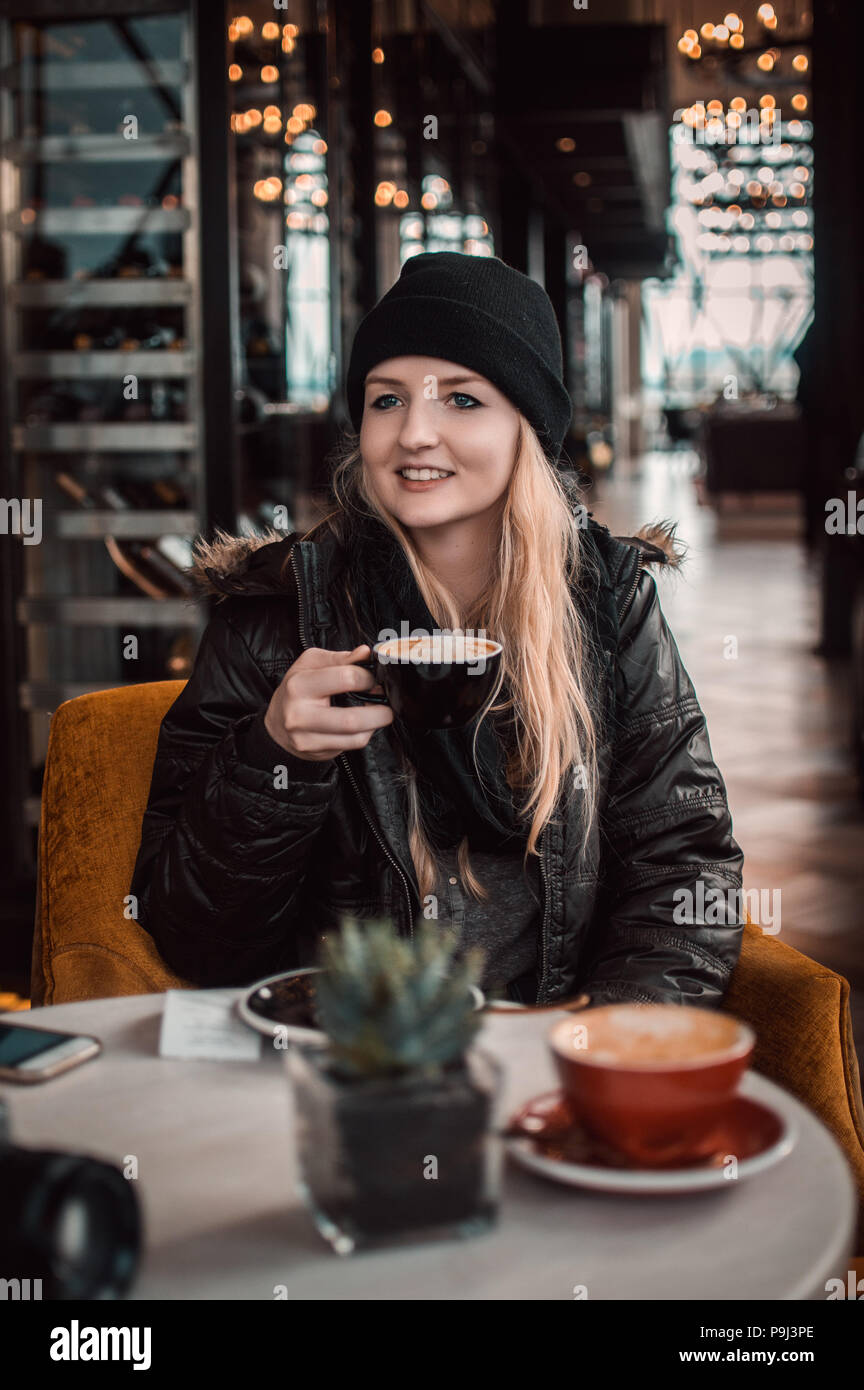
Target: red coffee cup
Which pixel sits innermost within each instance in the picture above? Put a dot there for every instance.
(654, 1080)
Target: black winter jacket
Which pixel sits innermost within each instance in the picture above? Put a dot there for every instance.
(240, 871)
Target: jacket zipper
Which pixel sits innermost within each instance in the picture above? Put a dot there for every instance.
(342, 758)
(372, 826)
(632, 591)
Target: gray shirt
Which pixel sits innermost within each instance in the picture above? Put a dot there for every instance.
(506, 924)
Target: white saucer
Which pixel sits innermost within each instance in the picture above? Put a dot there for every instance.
(271, 1027)
(267, 989)
(699, 1177)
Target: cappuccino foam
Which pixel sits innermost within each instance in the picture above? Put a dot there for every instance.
(627, 1034)
(445, 647)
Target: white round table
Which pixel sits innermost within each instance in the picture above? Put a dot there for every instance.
(216, 1168)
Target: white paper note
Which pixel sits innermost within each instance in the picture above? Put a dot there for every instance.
(201, 1023)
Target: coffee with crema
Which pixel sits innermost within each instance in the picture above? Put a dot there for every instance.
(445, 647)
(639, 1034)
(435, 680)
(654, 1080)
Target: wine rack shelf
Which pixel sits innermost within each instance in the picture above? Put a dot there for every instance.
(78, 365)
(63, 439)
(125, 292)
(54, 148)
(93, 525)
(103, 612)
(47, 695)
(99, 221)
(101, 419)
(74, 76)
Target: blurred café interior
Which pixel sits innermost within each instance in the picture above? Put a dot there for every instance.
(684, 183)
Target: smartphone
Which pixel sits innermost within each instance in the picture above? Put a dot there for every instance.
(35, 1054)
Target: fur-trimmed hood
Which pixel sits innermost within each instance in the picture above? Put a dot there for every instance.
(252, 564)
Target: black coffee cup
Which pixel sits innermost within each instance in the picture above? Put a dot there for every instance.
(439, 682)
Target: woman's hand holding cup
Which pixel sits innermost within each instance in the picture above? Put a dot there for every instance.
(301, 717)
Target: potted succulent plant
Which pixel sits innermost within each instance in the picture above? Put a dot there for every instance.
(394, 1116)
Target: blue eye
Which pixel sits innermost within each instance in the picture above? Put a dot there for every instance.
(473, 403)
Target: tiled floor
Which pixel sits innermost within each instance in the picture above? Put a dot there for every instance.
(777, 713)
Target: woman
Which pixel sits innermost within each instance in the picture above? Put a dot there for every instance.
(567, 827)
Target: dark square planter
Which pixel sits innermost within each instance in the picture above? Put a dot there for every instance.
(386, 1161)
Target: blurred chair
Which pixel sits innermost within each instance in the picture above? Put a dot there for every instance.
(748, 449)
(800, 1013)
(97, 780)
(100, 758)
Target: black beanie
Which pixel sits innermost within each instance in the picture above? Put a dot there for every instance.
(482, 314)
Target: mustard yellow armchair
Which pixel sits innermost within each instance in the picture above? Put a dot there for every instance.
(97, 779)
(100, 758)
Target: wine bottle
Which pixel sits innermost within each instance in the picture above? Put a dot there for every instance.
(157, 566)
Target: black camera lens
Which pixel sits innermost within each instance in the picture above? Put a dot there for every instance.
(71, 1221)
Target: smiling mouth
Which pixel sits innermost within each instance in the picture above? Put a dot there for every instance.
(423, 475)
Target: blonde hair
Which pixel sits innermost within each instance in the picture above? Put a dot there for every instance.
(528, 607)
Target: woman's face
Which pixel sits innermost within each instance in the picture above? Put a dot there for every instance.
(427, 414)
